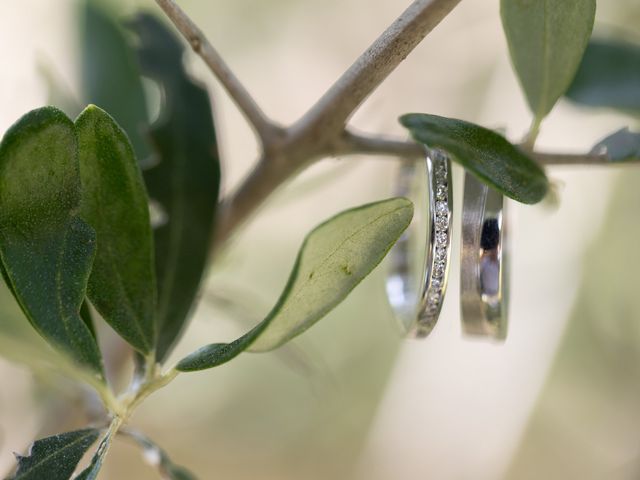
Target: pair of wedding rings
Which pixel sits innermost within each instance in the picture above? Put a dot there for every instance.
(417, 279)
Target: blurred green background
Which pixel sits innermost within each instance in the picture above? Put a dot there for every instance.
(350, 399)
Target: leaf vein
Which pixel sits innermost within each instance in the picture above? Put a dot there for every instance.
(322, 263)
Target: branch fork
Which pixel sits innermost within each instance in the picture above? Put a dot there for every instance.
(323, 131)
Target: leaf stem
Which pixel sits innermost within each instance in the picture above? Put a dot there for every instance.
(148, 387)
(531, 137)
(110, 402)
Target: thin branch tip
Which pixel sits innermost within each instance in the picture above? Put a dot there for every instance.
(199, 43)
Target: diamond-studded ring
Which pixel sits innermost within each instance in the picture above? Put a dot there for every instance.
(483, 261)
(417, 278)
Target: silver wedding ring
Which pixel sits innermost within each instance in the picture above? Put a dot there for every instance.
(416, 285)
(483, 263)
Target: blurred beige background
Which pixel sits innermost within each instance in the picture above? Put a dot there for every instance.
(350, 399)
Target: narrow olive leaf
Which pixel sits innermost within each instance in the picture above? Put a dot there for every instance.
(621, 146)
(333, 259)
(484, 153)
(546, 41)
(609, 76)
(110, 74)
(122, 284)
(47, 251)
(92, 471)
(158, 458)
(56, 457)
(185, 180)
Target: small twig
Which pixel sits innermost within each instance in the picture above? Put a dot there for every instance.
(553, 159)
(264, 128)
(350, 143)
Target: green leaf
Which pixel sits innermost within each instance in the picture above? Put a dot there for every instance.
(122, 284)
(484, 153)
(185, 181)
(546, 40)
(110, 74)
(92, 471)
(176, 472)
(47, 251)
(20, 343)
(333, 259)
(158, 458)
(609, 76)
(621, 146)
(56, 457)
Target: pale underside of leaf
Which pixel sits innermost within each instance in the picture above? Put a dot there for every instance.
(333, 259)
(547, 39)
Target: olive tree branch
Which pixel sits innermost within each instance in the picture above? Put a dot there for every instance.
(264, 128)
(551, 159)
(322, 131)
(351, 143)
(319, 132)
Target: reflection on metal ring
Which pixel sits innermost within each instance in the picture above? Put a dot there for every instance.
(483, 263)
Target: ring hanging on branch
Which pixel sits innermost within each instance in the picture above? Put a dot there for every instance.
(484, 261)
(416, 286)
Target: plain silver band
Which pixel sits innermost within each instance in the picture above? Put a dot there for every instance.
(418, 308)
(483, 262)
